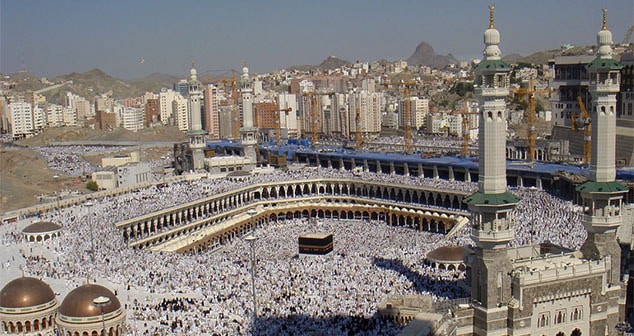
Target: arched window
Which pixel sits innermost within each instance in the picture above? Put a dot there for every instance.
(560, 317)
(576, 332)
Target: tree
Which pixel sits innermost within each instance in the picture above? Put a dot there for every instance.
(92, 185)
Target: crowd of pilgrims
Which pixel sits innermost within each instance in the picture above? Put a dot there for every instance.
(69, 159)
(209, 292)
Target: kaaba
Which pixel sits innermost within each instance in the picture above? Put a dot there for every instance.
(315, 243)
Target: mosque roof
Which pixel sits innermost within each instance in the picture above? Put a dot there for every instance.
(602, 187)
(25, 292)
(492, 199)
(493, 64)
(447, 254)
(604, 63)
(79, 302)
(42, 227)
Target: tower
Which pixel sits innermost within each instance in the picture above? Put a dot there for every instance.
(248, 133)
(491, 205)
(196, 133)
(603, 196)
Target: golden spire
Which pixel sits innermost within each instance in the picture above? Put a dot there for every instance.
(491, 9)
(605, 19)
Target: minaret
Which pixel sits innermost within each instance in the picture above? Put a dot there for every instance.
(196, 134)
(491, 224)
(603, 196)
(248, 133)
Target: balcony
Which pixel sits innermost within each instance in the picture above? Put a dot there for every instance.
(495, 92)
(493, 236)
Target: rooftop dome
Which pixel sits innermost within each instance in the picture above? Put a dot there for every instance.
(492, 39)
(42, 227)
(78, 303)
(447, 254)
(25, 292)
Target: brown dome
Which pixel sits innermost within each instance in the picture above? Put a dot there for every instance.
(25, 292)
(447, 254)
(78, 303)
(41, 227)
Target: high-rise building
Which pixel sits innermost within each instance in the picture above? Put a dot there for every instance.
(180, 108)
(152, 111)
(569, 80)
(341, 115)
(418, 109)
(289, 119)
(104, 103)
(266, 115)
(22, 119)
(625, 108)
(54, 115)
(5, 114)
(166, 99)
(69, 116)
(182, 87)
(83, 108)
(211, 120)
(133, 118)
(370, 108)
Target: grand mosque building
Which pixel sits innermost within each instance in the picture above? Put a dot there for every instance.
(525, 290)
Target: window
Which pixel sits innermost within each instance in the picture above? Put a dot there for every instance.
(576, 314)
(543, 320)
(560, 317)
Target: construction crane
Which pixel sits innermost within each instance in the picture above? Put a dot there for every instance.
(628, 35)
(278, 128)
(587, 132)
(314, 112)
(407, 84)
(530, 113)
(357, 120)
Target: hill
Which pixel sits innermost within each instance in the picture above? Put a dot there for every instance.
(425, 55)
(539, 57)
(26, 81)
(154, 82)
(99, 82)
(330, 63)
(48, 135)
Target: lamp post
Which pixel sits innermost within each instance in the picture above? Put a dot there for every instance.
(102, 301)
(89, 205)
(251, 239)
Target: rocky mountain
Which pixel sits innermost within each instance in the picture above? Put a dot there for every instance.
(330, 63)
(333, 62)
(99, 82)
(425, 55)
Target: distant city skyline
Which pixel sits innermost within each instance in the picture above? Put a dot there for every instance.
(133, 39)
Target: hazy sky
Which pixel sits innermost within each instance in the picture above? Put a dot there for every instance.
(60, 36)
